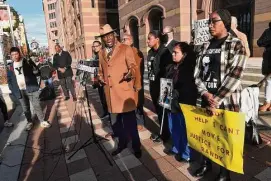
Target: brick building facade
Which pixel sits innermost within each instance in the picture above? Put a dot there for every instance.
(138, 17)
(79, 21)
(49, 8)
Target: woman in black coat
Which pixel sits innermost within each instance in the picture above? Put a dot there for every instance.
(159, 57)
(185, 92)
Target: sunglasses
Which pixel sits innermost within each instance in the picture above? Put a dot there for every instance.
(213, 21)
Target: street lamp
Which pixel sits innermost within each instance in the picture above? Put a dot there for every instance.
(2, 4)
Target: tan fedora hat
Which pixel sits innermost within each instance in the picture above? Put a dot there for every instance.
(106, 29)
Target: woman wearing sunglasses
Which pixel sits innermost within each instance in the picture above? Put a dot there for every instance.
(218, 74)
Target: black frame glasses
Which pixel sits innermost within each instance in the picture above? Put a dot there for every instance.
(213, 21)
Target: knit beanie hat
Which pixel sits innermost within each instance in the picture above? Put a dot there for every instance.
(225, 16)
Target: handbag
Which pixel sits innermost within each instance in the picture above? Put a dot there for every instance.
(252, 135)
(47, 93)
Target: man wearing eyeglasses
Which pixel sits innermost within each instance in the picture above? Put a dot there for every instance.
(169, 41)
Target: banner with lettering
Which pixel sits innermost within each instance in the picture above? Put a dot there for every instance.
(219, 137)
(202, 33)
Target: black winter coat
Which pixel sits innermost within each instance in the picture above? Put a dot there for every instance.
(157, 61)
(265, 41)
(184, 87)
(63, 61)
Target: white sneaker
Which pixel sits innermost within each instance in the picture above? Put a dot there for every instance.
(29, 126)
(45, 124)
(8, 124)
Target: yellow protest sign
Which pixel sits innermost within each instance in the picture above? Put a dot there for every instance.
(219, 137)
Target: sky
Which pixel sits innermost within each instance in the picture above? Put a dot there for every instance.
(34, 20)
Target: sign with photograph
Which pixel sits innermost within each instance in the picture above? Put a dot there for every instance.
(202, 33)
(165, 98)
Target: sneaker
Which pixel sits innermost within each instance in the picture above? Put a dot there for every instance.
(138, 154)
(45, 124)
(29, 126)
(154, 136)
(8, 124)
(265, 107)
(169, 151)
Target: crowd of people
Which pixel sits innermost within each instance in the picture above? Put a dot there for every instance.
(208, 76)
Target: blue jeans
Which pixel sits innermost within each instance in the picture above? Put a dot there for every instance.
(177, 129)
(32, 97)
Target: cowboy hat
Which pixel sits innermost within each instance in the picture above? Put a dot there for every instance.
(105, 30)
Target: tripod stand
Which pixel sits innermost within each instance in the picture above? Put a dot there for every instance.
(94, 139)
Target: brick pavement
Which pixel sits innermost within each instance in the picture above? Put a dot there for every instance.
(71, 129)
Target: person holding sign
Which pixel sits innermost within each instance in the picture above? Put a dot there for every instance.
(218, 74)
(185, 92)
(159, 57)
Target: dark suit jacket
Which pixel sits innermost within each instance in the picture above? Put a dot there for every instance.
(171, 45)
(63, 61)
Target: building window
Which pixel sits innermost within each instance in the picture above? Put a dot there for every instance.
(51, 6)
(52, 24)
(111, 4)
(156, 19)
(93, 3)
(133, 26)
(52, 15)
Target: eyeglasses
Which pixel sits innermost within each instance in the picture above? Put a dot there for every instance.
(213, 21)
(96, 46)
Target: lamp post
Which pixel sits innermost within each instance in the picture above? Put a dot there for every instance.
(2, 4)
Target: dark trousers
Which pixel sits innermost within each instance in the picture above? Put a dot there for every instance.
(223, 171)
(125, 128)
(103, 99)
(4, 109)
(140, 118)
(155, 92)
(67, 85)
(32, 97)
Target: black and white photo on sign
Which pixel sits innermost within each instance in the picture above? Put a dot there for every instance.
(165, 97)
(210, 67)
(201, 29)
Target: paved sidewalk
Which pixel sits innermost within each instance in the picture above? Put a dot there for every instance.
(70, 129)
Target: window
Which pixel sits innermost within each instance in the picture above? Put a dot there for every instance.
(156, 19)
(52, 15)
(133, 26)
(51, 6)
(111, 4)
(52, 24)
(93, 3)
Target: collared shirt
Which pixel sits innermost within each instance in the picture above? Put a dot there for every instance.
(60, 53)
(168, 42)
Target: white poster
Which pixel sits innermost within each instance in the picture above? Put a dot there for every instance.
(202, 33)
(165, 98)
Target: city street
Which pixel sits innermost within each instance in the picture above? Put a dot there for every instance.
(43, 156)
